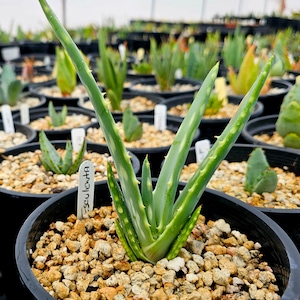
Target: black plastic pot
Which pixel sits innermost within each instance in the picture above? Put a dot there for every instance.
(18, 206)
(278, 249)
(195, 86)
(156, 154)
(57, 100)
(45, 60)
(30, 134)
(210, 128)
(288, 219)
(58, 134)
(272, 101)
(129, 95)
(259, 126)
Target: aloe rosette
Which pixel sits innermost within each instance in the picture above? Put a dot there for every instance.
(152, 223)
(52, 161)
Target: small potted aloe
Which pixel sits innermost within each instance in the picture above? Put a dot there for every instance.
(149, 234)
(66, 89)
(58, 121)
(151, 224)
(112, 73)
(167, 60)
(240, 81)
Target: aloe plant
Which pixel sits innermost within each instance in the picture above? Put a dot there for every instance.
(287, 124)
(166, 59)
(10, 87)
(112, 72)
(52, 161)
(250, 68)
(152, 223)
(260, 177)
(58, 118)
(64, 72)
(234, 49)
(199, 60)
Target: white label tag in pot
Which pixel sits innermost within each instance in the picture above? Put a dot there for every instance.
(86, 187)
(77, 137)
(160, 117)
(122, 51)
(10, 53)
(201, 148)
(24, 113)
(8, 123)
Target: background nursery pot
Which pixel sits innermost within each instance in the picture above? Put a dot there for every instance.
(272, 100)
(277, 248)
(181, 86)
(155, 153)
(9, 143)
(19, 205)
(288, 218)
(147, 106)
(263, 126)
(210, 127)
(60, 133)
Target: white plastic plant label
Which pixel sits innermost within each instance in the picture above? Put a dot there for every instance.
(77, 137)
(24, 113)
(8, 123)
(160, 117)
(81, 100)
(122, 51)
(10, 53)
(86, 187)
(201, 148)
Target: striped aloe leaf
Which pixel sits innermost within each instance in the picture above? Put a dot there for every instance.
(152, 223)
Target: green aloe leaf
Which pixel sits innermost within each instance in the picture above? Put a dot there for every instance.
(57, 118)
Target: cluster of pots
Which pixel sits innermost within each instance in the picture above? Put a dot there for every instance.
(29, 214)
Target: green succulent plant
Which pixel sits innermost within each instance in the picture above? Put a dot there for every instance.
(64, 72)
(152, 223)
(234, 49)
(166, 59)
(250, 68)
(199, 60)
(260, 177)
(133, 128)
(11, 88)
(287, 124)
(112, 71)
(52, 161)
(58, 118)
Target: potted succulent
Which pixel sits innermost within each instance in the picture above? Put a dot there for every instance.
(240, 81)
(281, 202)
(279, 130)
(66, 90)
(58, 121)
(219, 110)
(111, 71)
(151, 225)
(167, 60)
(12, 91)
(32, 173)
(151, 140)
